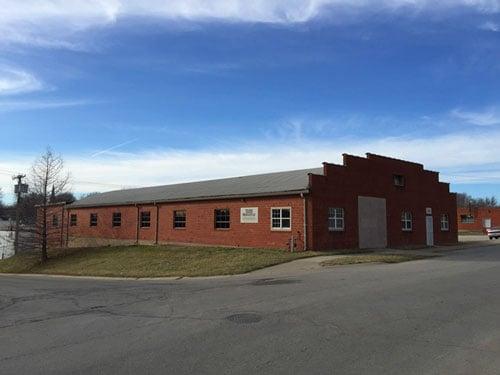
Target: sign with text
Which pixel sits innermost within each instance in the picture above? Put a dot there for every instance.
(249, 215)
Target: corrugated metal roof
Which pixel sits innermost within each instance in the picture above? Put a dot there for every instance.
(245, 186)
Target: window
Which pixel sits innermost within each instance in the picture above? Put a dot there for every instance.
(73, 220)
(467, 219)
(445, 222)
(180, 219)
(55, 221)
(399, 180)
(117, 219)
(406, 221)
(335, 218)
(145, 219)
(93, 220)
(222, 218)
(281, 218)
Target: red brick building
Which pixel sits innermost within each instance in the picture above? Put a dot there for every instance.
(478, 219)
(365, 202)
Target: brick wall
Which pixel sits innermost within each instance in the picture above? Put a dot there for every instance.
(200, 228)
(479, 214)
(340, 187)
(373, 177)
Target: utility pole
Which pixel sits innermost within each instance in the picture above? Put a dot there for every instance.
(19, 189)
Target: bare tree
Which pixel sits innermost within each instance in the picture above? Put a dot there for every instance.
(48, 178)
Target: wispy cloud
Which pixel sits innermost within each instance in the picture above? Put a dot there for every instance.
(487, 117)
(461, 158)
(490, 26)
(56, 23)
(29, 105)
(16, 81)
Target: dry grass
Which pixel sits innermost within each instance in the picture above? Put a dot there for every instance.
(151, 261)
(372, 258)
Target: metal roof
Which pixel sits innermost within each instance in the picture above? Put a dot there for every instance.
(234, 187)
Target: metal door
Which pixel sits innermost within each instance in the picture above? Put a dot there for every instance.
(372, 222)
(429, 229)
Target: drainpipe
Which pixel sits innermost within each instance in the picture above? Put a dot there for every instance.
(62, 226)
(137, 227)
(305, 220)
(67, 229)
(157, 221)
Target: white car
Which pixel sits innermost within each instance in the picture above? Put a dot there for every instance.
(493, 233)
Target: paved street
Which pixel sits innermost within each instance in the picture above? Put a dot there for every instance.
(435, 316)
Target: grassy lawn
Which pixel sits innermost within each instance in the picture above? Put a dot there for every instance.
(151, 261)
(372, 258)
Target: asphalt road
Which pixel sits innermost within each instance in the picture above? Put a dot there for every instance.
(434, 316)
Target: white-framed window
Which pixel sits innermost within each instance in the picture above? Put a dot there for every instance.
(281, 218)
(335, 218)
(399, 180)
(467, 219)
(406, 221)
(445, 223)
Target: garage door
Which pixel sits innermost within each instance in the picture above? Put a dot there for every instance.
(372, 222)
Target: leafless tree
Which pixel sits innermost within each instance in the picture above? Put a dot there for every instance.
(48, 179)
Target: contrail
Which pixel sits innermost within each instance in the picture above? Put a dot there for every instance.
(112, 148)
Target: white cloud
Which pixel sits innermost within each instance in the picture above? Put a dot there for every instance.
(55, 22)
(461, 158)
(490, 26)
(16, 81)
(487, 117)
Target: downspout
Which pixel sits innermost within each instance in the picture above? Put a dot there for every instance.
(67, 229)
(62, 226)
(137, 227)
(305, 220)
(157, 221)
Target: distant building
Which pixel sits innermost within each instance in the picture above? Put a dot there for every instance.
(478, 219)
(367, 202)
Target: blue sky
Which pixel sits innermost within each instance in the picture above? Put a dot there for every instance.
(136, 93)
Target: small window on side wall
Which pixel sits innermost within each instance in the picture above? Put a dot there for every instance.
(445, 223)
(222, 218)
(180, 219)
(55, 221)
(399, 180)
(406, 221)
(93, 220)
(117, 219)
(467, 219)
(73, 220)
(281, 218)
(335, 219)
(145, 219)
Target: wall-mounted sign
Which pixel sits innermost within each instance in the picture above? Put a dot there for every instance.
(249, 215)
(428, 211)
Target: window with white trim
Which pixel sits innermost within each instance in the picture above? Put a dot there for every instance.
(467, 219)
(145, 219)
(93, 220)
(335, 218)
(281, 218)
(445, 223)
(222, 218)
(180, 219)
(406, 221)
(117, 219)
